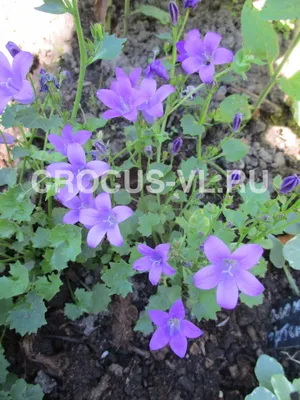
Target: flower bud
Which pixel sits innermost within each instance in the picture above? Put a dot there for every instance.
(148, 151)
(289, 184)
(237, 121)
(235, 178)
(174, 12)
(100, 146)
(176, 146)
(13, 48)
(190, 3)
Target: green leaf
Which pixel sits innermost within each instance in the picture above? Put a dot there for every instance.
(276, 253)
(291, 252)
(291, 86)
(266, 367)
(23, 391)
(192, 163)
(260, 269)
(53, 7)
(147, 222)
(73, 311)
(122, 197)
(66, 239)
(8, 176)
(165, 36)
(109, 49)
(92, 124)
(259, 37)
(46, 156)
(41, 238)
(282, 387)
(16, 284)
(261, 393)
(144, 324)
(7, 229)
(4, 364)
(47, 287)
(28, 315)
(191, 126)
(234, 149)
(154, 12)
(164, 298)
(293, 229)
(251, 301)
(296, 107)
(237, 217)
(30, 118)
(236, 103)
(100, 298)
(5, 306)
(15, 205)
(281, 9)
(116, 278)
(203, 303)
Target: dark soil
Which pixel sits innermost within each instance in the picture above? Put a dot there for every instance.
(110, 360)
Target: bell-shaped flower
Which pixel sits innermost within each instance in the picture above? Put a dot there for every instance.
(75, 205)
(68, 137)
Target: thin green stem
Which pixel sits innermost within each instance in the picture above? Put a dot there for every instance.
(7, 150)
(202, 120)
(83, 58)
(183, 24)
(270, 231)
(126, 16)
(276, 74)
(108, 16)
(291, 280)
(216, 167)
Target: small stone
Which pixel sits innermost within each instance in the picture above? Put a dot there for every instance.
(256, 145)
(116, 370)
(221, 93)
(47, 383)
(104, 355)
(186, 383)
(265, 156)
(260, 126)
(263, 164)
(234, 371)
(279, 160)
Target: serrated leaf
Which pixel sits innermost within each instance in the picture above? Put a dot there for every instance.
(281, 9)
(116, 278)
(7, 228)
(73, 311)
(16, 283)
(251, 301)
(234, 104)
(144, 324)
(92, 124)
(30, 118)
(109, 49)
(193, 164)
(154, 12)
(47, 156)
(259, 37)
(47, 287)
(66, 239)
(41, 238)
(237, 217)
(260, 269)
(234, 149)
(203, 303)
(8, 176)
(122, 197)
(28, 315)
(266, 367)
(23, 391)
(261, 393)
(4, 364)
(53, 7)
(100, 298)
(164, 298)
(291, 86)
(15, 205)
(291, 252)
(147, 222)
(191, 126)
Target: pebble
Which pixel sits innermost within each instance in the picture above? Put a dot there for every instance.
(221, 93)
(47, 383)
(279, 160)
(265, 156)
(104, 355)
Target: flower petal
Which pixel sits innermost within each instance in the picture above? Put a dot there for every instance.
(178, 344)
(167, 269)
(215, 249)
(95, 235)
(131, 115)
(145, 250)
(160, 339)
(248, 283)
(4, 100)
(162, 93)
(177, 310)
(58, 143)
(99, 167)
(21, 64)
(60, 170)
(192, 65)
(71, 217)
(103, 202)
(67, 133)
(25, 94)
(211, 41)
(122, 213)
(227, 293)
(82, 137)
(222, 56)
(158, 317)
(90, 217)
(76, 155)
(143, 264)
(109, 98)
(193, 34)
(248, 255)
(73, 204)
(6, 138)
(135, 75)
(111, 114)
(194, 48)
(5, 68)
(163, 250)
(156, 111)
(208, 277)
(148, 86)
(114, 236)
(206, 73)
(155, 274)
(189, 329)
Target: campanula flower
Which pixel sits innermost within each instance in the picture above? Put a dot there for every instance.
(235, 178)
(204, 55)
(237, 121)
(174, 12)
(6, 138)
(45, 80)
(154, 261)
(12, 48)
(78, 171)
(100, 152)
(13, 82)
(134, 76)
(122, 98)
(173, 329)
(190, 3)
(153, 107)
(68, 137)
(229, 271)
(104, 220)
(183, 54)
(78, 203)
(156, 68)
(176, 146)
(289, 184)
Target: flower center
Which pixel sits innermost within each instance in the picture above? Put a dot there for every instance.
(174, 325)
(125, 107)
(229, 266)
(111, 220)
(9, 85)
(156, 262)
(208, 59)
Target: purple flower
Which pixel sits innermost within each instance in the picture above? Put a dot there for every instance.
(148, 151)
(174, 12)
(78, 172)
(235, 178)
(154, 261)
(78, 203)
(156, 68)
(237, 121)
(229, 271)
(204, 55)
(173, 329)
(194, 34)
(13, 49)
(6, 138)
(191, 3)
(100, 152)
(62, 142)
(176, 146)
(134, 76)
(13, 82)
(45, 79)
(289, 184)
(122, 98)
(153, 107)
(104, 220)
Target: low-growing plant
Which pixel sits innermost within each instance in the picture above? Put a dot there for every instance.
(64, 202)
